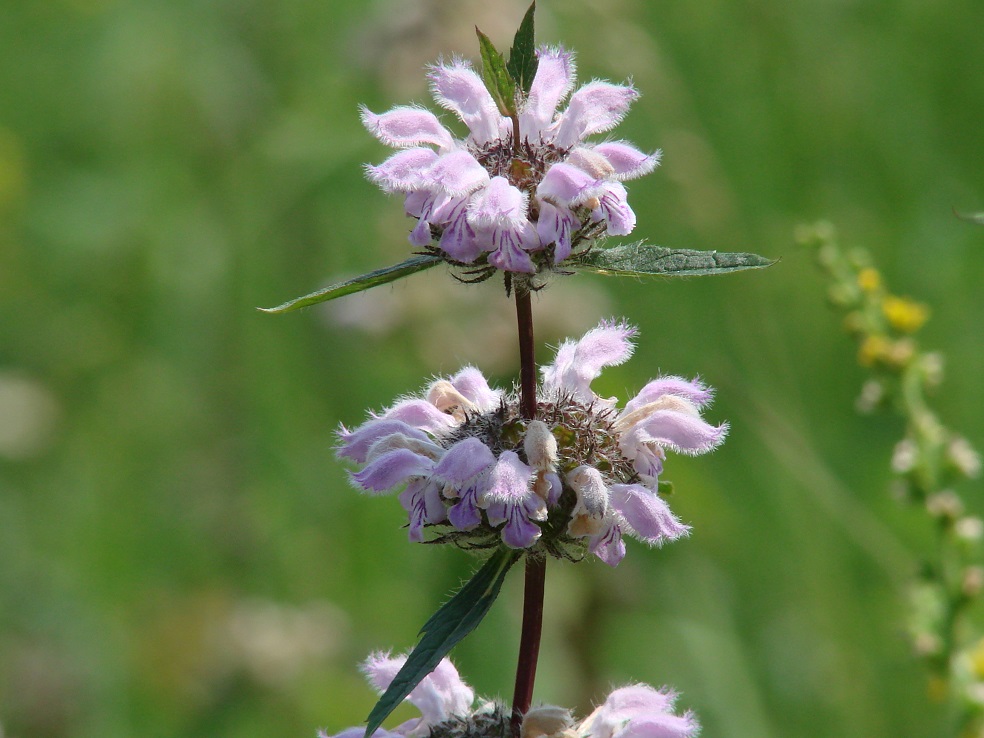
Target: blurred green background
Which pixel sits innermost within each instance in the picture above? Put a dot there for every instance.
(180, 553)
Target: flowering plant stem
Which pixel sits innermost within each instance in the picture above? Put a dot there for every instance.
(536, 566)
(527, 362)
(529, 644)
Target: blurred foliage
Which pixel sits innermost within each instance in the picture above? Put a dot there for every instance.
(181, 555)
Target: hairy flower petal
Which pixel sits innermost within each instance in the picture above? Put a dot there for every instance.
(460, 239)
(465, 514)
(580, 362)
(457, 173)
(439, 696)
(554, 79)
(613, 208)
(556, 225)
(608, 545)
(595, 108)
(458, 87)
(510, 479)
(405, 126)
(355, 444)
(681, 432)
(647, 514)
(422, 500)
(472, 384)
(392, 468)
(500, 204)
(639, 711)
(565, 184)
(404, 171)
(511, 247)
(419, 414)
(694, 391)
(626, 160)
(464, 460)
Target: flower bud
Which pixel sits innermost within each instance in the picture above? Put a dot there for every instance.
(546, 720)
(970, 528)
(963, 456)
(973, 581)
(592, 501)
(540, 446)
(905, 456)
(447, 399)
(945, 504)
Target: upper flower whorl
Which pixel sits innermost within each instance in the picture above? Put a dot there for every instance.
(515, 205)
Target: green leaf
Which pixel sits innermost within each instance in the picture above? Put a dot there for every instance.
(642, 259)
(358, 284)
(496, 77)
(455, 619)
(522, 56)
(977, 218)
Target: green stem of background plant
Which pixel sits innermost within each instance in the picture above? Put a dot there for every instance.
(536, 566)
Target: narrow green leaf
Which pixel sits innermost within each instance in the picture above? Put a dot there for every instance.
(977, 218)
(522, 56)
(455, 619)
(642, 259)
(496, 77)
(358, 284)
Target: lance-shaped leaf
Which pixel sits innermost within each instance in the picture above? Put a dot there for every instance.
(971, 217)
(496, 77)
(358, 284)
(455, 619)
(522, 56)
(642, 259)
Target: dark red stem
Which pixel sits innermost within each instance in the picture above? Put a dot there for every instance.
(527, 363)
(529, 642)
(536, 566)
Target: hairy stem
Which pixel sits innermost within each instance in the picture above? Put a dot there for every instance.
(536, 566)
(527, 363)
(529, 643)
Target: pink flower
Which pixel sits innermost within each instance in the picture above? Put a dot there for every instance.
(639, 711)
(490, 198)
(575, 480)
(440, 696)
(665, 414)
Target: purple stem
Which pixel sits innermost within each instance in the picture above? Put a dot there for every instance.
(536, 566)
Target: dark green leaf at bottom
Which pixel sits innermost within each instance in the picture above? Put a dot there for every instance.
(455, 619)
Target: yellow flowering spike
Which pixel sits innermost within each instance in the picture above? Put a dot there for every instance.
(873, 348)
(903, 314)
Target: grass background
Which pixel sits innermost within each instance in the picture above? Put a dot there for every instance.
(181, 555)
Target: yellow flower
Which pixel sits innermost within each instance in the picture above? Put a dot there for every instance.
(873, 348)
(903, 314)
(869, 279)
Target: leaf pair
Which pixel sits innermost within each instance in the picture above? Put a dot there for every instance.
(639, 259)
(509, 81)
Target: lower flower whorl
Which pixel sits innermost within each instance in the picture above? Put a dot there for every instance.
(570, 482)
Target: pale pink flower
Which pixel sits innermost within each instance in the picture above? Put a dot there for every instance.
(490, 198)
(472, 467)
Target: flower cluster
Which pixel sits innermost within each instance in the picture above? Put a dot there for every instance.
(929, 464)
(446, 708)
(575, 479)
(514, 187)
